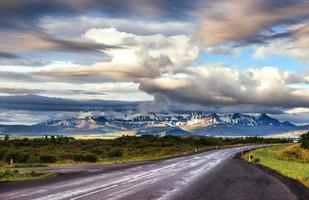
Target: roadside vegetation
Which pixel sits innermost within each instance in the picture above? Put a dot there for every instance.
(58, 150)
(304, 140)
(289, 160)
(17, 175)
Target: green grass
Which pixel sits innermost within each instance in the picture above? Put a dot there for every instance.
(289, 160)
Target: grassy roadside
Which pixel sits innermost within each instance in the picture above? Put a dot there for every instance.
(17, 175)
(289, 160)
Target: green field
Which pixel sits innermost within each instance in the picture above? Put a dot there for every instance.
(289, 160)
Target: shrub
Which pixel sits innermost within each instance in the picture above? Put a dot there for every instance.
(90, 158)
(97, 151)
(8, 173)
(78, 157)
(2, 153)
(85, 158)
(304, 139)
(256, 160)
(17, 157)
(117, 152)
(48, 158)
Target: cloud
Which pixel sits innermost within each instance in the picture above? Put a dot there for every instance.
(29, 109)
(15, 76)
(93, 87)
(295, 46)
(19, 91)
(296, 118)
(17, 60)
(237, 21)
(25, 42)
(298, 110)
(141, 56)
(159, 64)
(41, 103)
(220, 50)
(22, 14)
(226, 86)
(8, 55)
(68, 26)
(22, 117)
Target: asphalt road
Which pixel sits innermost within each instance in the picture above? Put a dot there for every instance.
(210, 175)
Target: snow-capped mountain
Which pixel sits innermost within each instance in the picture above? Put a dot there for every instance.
(161, 123)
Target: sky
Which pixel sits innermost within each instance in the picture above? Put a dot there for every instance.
(215, 56)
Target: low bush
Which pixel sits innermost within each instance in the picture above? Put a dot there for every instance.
(117, 152)
(17, 157)
(48, 159)
(294, 152)
(85, 158)
(256, 161)
(6, 174)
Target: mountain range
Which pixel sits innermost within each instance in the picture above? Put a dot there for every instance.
(193, 123)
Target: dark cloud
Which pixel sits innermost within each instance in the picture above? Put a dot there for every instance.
(41, 103)
(17, 77)
(41, 77)
(74, 46)
(297, 118)
(48, 104)
(19, 43)
(218, 19)
(261, 14)
(21, 19)
(8, 55)
(162, 103)
(20, 14)
(26, 91)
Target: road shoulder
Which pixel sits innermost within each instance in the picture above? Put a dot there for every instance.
(301, 191)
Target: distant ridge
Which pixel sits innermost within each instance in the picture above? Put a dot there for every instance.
(236, 124)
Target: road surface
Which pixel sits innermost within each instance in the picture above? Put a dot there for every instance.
(209, 175)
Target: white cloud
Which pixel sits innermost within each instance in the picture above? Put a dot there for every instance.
(296, 45)
(140, 57)
(215, 85)
(180, 50)
(284, 47)
(298, 110)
